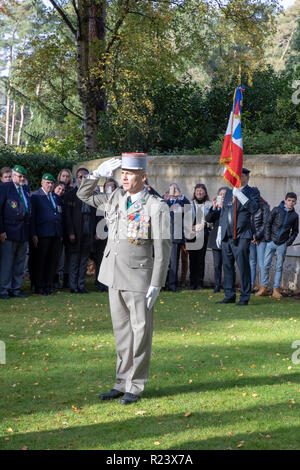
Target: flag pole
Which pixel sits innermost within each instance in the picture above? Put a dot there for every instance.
(235, 198)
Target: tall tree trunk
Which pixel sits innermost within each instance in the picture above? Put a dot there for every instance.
(13, 124)
(90, 40)
(7, 123)
(10, 59)
(21, 125)
(91, 47)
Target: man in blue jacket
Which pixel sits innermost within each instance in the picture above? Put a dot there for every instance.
(47, 232)
(281, 229)
(14, 232)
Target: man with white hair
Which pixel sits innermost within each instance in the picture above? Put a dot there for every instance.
(14, 233)
(134, 266)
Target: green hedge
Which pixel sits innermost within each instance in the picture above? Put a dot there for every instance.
(37, 164)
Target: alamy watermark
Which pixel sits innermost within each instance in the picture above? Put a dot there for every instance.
(2, 353)
(153, 224)
(296, 354)
(296, 94)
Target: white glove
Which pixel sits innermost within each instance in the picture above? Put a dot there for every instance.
(106, 169)
(151, 296)
(218, 239)
(241, 196)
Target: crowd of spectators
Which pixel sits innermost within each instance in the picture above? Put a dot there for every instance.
(50, 235)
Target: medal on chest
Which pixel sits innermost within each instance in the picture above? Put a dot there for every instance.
(138, 228)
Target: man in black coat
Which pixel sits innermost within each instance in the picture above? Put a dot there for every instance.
(237, 250)
(80, 230)
(14, 232)
(46, 232)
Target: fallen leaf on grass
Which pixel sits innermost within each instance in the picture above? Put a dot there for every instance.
(141, 412)
(187, 414)
(157, 443)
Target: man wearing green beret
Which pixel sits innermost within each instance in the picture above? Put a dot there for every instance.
(14, 232)
(47, 232)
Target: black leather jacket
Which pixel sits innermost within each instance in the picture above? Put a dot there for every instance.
(259, 220)
(282, 226)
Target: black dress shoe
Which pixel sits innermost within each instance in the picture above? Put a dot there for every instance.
(242, 303)
(74, 291)
(4, 297)
(111, 395)
(40, 292)
(19, 295)
(48, 291)
(82, 291)
(227, 301)
(102, 289)
(129, 398)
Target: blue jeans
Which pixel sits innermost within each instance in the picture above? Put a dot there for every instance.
(257, 254)
(280, 251)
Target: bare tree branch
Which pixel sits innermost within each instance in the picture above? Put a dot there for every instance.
(64, 17)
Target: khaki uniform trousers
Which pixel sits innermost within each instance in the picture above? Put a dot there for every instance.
(133, 328)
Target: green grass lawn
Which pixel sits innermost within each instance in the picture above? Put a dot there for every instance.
(221, 377)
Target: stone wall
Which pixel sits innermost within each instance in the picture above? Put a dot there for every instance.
(274, 175)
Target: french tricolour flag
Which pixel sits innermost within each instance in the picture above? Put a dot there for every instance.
(232, 151)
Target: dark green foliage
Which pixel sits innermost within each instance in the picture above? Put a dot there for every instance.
(38, 163)
(186, 116)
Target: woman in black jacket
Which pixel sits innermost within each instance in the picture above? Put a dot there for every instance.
(258, 242)
(213, 218)
(198, 235)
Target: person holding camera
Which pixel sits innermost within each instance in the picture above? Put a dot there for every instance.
(213, 217)
(176, 202)
(198, 235)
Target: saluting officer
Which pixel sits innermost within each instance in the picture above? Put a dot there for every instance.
(47, 232)
(134, 266)
(14, 232)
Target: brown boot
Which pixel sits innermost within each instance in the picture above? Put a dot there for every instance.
(262, 291)
(276, 294)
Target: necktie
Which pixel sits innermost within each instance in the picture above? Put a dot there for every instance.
(22, 197)
(51, 201)
(129, 202)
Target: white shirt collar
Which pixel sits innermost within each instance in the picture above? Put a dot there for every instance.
(47, 194)
(136, 196)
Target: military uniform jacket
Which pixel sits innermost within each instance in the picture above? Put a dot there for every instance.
(46, 220)
(14, 219)
(138, 247)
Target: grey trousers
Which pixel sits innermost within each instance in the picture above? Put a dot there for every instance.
(133, 328)
(12, 262)
(77, 270)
